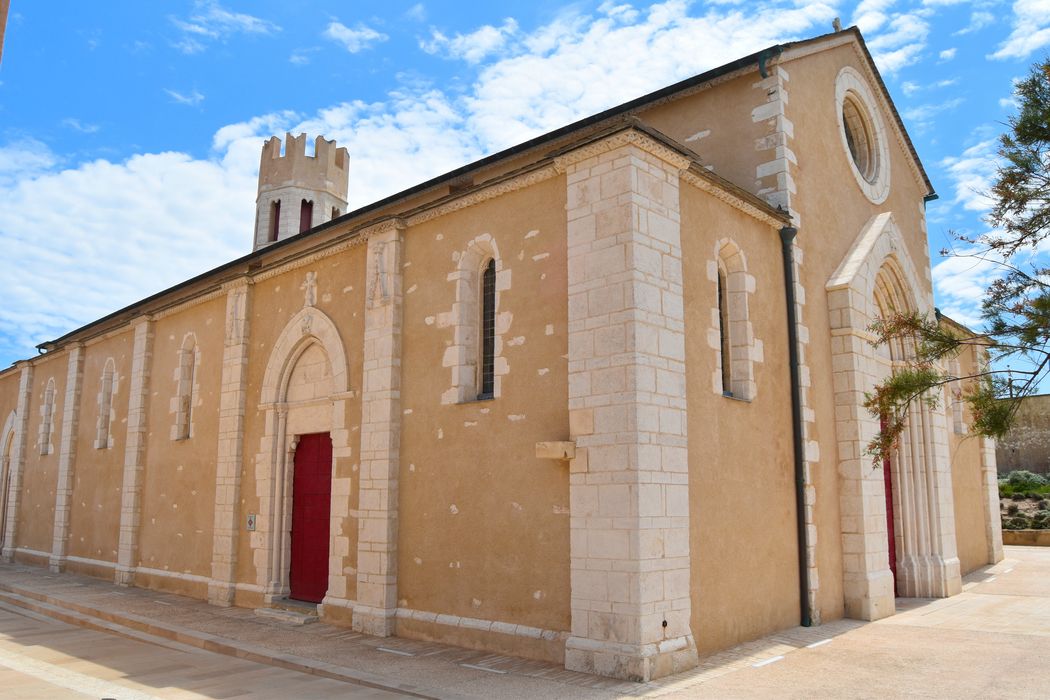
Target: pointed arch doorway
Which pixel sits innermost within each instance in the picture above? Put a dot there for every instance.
(311, 512)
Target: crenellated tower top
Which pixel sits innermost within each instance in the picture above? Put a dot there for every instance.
(298, 191)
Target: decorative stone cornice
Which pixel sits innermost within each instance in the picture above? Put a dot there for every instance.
(189, 303)
(484, 193)
(629, 136)
(719, 192)
(354, 238)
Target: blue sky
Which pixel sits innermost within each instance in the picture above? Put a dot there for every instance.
(130, 131)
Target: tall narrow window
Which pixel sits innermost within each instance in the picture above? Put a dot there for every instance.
(335, 212)
(275, 219)
(47, 412)
(306, 216)
(105, 406)
(184, 399)
(723, 333)
(487, 356)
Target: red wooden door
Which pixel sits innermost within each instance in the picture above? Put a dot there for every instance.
(887, 476)
(311, 503)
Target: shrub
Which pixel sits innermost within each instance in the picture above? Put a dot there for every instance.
(1012, 509)
(1043, 505)
(1024, 480)
(1018, 522)
(1017, 497)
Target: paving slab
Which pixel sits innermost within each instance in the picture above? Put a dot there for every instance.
(992, 640)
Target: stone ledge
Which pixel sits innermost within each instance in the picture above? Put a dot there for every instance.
(1028, 538)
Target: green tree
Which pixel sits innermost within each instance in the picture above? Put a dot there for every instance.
(1016, 307)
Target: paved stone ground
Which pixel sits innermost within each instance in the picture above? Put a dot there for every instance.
(991, 641)
(44, 658)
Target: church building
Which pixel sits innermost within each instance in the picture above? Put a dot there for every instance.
(595, 399)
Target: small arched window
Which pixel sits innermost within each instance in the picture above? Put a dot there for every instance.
(737, 347)
(185, 391)
(724, 347)
(487, 339)
(275, 220)
(105, 406)
(306, 216)
(47, 412)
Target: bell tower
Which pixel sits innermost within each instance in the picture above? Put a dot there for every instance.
(297, 191)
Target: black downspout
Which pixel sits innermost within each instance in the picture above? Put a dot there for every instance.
(787, 241)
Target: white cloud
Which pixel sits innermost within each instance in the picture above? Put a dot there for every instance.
(193, 98)
(354, 40)
(960, 282)
(1031, 30)
(901, 44)
(212, 21)
(972, 174)
(910, 88)
(417, 13)
(926, 112)
(82, 127)
(471, 47)
(24, 159)
(1008, 103)
(870, 15)
(175, 216)
(947, 54)
(978, 20)
(82, 242)
(301, 57)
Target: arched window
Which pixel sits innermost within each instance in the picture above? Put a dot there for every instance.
(487, 340)
(105, 406)
(184, 399)
(306, 216)
(723, 332)
(476, 356)
(275, 220)
(47, 412)
(737, 348)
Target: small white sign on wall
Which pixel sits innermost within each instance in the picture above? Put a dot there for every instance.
(251, 522)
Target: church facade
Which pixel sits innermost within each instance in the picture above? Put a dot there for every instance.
(595, 399)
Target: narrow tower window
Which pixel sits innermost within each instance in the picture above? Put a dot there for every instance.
(306, 216)
(275, 220)
(723, 333)
(335, 212)
(488, 331)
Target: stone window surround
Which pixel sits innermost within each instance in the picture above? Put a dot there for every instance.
(187, 387)
(463, 357)
(47, 415)
(850, 85)
(745, 349)
(107, 389)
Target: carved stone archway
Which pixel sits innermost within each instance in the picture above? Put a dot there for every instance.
(879, 269)
(311, 332)
(7, 441)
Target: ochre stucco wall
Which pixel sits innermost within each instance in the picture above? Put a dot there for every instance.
(94, 520)
(37, 509)
(178, 482)
(971, 510)
(833, 217)
(484, 525)
(741, 470)
(340, 293)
